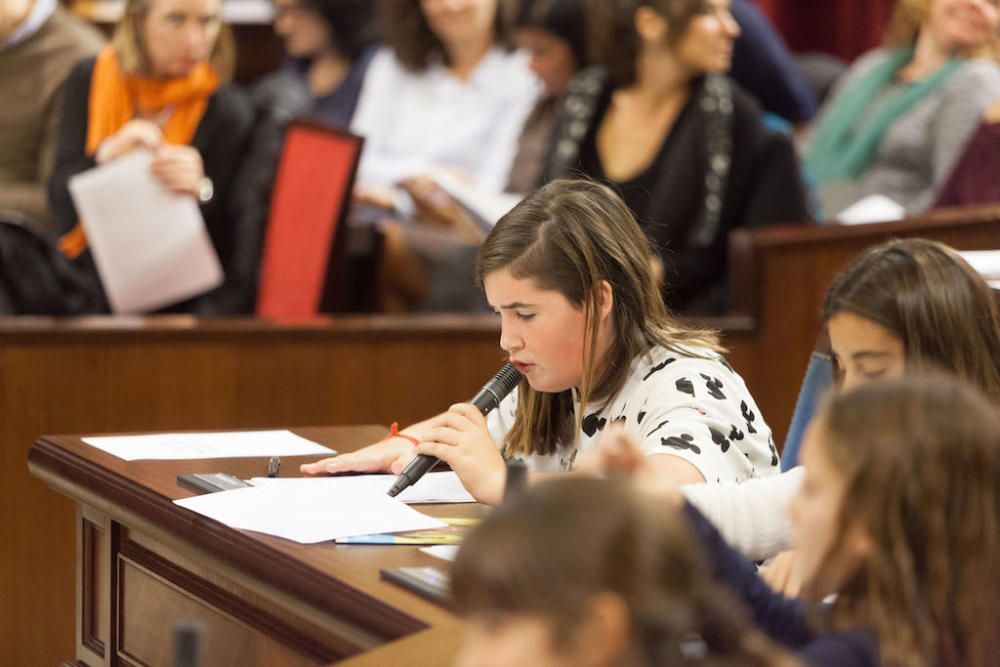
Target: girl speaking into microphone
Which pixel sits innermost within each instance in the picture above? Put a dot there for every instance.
(575, 284)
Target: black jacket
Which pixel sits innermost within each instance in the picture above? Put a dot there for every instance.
(718, 137)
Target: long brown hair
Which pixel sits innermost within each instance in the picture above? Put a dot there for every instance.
(920, 457)
(569, 236)
(128, 42)
(407, 32)
(925, 293)
(558, 544)
(614, 40)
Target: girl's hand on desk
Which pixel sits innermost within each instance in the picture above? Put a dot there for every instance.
(387, 456)
(460, 438)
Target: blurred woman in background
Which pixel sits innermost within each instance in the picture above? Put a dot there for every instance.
(161, 85)
(447, 91)
(430, 267)
(901, 116)
(586, 572)
(685, 147)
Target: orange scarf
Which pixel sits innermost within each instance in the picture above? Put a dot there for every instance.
(117, 97)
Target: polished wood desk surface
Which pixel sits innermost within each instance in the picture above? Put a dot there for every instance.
(329, 581)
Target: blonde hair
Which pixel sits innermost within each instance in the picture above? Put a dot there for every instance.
(132, 57)
(908, 19)
(569, 236)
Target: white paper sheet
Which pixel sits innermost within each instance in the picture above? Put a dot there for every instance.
(150, 245)
(874, 208)
(446, 552)
(434, 487)
(985, 262)
(310, 513)
(173, 446)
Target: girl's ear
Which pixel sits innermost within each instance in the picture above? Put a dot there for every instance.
(606, 299)
(651, 25)
(858, 541)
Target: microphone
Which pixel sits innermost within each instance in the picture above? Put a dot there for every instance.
(187, 636)
(486, 400)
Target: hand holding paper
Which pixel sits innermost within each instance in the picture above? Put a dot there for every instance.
(150, 245)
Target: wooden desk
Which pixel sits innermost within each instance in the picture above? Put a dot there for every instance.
(126, 374)
(144, 564)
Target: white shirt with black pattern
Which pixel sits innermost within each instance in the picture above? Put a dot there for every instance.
(690, 404)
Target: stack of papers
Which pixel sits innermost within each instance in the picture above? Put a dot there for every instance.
(310, 513)
(434, 487)
(177, 446)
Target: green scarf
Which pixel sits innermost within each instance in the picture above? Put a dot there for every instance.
(845, 141)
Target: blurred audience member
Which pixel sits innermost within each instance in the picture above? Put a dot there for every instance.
(763, 66)
(430, 266)
(901, 116)
(161, 85)
(39, 43)
(329, 47)
(447, 91)
(553, 33)
(974, 180)
(587, 572)
(662, 124)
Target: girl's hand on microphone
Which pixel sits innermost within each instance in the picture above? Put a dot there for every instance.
(460, 438)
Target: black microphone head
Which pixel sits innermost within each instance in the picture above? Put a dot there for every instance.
(496, 389)
(505, 380)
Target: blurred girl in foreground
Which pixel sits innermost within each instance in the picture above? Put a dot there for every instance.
(585, 572)
(899, 517)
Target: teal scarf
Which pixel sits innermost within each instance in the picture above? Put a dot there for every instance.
(845, 141)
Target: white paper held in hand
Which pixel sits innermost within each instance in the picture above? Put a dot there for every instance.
(150, 244)
(310, 513)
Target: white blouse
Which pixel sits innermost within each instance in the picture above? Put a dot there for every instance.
(412, 121)
(692, 405)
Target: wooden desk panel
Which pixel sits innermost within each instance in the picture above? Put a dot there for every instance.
(144, 564)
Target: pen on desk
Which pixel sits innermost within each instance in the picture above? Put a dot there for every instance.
(273, 466)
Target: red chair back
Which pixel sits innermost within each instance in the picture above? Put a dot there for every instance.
(305, 229)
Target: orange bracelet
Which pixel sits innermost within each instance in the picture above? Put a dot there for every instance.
(395, 432)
